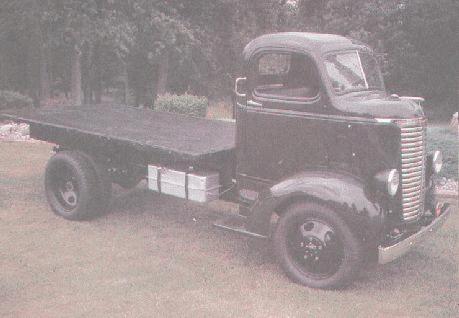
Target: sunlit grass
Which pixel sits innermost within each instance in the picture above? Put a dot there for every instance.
(159, 256)
(443, 139)
(220, 109)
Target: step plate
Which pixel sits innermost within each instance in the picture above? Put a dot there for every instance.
(236, 223)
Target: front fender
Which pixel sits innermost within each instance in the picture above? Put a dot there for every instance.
(347, 194)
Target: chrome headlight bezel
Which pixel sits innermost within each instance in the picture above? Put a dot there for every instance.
(393, 182)
(388, 181)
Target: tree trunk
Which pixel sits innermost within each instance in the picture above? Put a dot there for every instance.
(154, 94)
(33, 70)
(33, 60)
(3, 71)
(97, 74)
(163, 71)
(97, 87)
(87, 73)
(98, 92)
(125, 84)
(44, 75)
(75, 81)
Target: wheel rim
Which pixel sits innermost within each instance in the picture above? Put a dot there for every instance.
(315, 248)
(65, 188)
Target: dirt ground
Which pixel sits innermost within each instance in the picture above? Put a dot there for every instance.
(155, 256)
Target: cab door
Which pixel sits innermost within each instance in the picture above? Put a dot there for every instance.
(281, 131)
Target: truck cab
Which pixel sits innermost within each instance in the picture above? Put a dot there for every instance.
(340, 163)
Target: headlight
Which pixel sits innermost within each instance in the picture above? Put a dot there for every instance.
(393, 181)
(437, 161)
(388, 181)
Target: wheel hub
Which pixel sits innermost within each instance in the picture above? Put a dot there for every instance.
(69, 186)
(312, 247)
(68, 193)
(317, 249)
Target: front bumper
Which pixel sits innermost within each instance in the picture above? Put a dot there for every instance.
(390, 253)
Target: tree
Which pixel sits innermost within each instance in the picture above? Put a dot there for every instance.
(21, 26)
(423, 47)
(86, 30)
(416, 39)
(153, 46)
(158, 34)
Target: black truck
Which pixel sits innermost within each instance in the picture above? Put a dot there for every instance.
(320, 158)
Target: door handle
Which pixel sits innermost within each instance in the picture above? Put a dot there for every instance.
(253, 103)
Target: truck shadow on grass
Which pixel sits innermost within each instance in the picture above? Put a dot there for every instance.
(429, 265)
(193, 219)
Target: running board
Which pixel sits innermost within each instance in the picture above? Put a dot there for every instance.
(236, 223)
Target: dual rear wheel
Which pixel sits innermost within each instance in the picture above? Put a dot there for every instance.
(76, 186)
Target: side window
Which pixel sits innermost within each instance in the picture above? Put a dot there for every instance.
(286, 76)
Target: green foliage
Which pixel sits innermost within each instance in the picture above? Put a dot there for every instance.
(202, 40)
(10, 99)
(422, 46)
(183, 104)
(416, 40)
(443, 139)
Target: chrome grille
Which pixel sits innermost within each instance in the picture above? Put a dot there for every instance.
(413, 156)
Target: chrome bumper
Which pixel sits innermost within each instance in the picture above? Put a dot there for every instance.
(390, 253)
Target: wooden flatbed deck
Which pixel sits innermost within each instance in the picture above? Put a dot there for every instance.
(166, 137)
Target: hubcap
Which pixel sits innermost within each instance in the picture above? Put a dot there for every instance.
(66, 188)
(315, 248)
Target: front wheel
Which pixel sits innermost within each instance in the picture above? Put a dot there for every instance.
(316, 248)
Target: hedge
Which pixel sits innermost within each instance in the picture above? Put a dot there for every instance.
(10, 99)
(182, 104)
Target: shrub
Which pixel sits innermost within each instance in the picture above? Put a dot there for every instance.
(10, 99)
(441, 138)
(182, 104)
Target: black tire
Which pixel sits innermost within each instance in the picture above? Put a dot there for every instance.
(333, 255)
(73, 188)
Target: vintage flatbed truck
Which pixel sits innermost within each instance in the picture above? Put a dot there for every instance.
(321, 160)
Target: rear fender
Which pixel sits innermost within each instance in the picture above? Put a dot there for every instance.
(346, 194)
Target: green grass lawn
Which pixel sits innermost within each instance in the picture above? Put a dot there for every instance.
(443, 139)
(157, 256)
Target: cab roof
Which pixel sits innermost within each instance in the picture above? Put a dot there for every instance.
(313, 43)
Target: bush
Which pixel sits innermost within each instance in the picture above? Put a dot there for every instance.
(10, 99)
(182, 104)
(441, 138)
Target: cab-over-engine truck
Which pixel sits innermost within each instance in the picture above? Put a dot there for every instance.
(321, 160)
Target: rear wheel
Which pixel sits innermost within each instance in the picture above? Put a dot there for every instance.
(316, 248)
(74, 186)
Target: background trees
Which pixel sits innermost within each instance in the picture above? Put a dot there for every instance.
(132, 50)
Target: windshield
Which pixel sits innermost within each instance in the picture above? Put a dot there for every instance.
(353, 71)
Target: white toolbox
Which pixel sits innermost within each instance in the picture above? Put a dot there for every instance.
(199, 186)
(203, 186)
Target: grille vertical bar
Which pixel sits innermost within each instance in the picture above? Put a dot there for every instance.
(413, 157)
